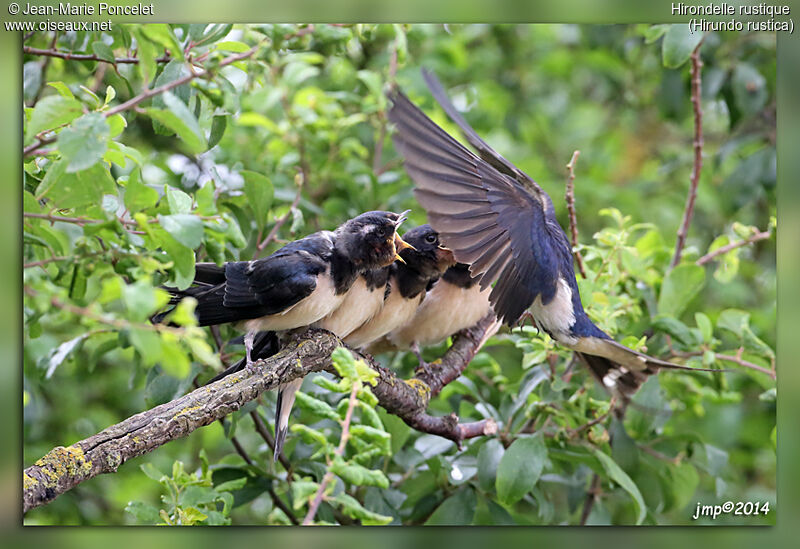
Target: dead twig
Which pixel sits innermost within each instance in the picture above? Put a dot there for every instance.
(573, 218)
(688, 211)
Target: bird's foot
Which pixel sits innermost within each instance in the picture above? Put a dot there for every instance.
(527, 316)
(422, 367)
(248, 349)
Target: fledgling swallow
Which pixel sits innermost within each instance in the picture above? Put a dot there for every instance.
(424, 261)
(361, 302)
(453, 303)
(299, 284)
(502, 223)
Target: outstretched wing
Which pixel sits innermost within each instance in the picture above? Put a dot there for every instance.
(488, 218)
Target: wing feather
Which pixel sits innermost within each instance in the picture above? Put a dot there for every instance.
(487, 211)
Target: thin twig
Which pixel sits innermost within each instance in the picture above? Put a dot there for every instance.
(573, 218)
(282, 221)
(591, 496)
(688, 211)
(86, 57)
(261, 429)
(760, 235)
(727, 358)
(312, 509)
(599, 419)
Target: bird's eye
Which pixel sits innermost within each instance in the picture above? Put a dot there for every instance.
(430, 239)
(381, 231)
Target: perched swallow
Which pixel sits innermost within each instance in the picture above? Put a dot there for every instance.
(297, 285)
(499, 221)
(362, 301)
(300, 283)
(423, 262)
(455, 302)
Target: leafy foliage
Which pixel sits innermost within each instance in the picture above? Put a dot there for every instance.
(119, 201)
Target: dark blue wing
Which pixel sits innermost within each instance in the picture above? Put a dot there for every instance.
(281, 280)
(491, 221)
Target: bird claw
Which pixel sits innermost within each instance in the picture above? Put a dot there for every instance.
(529, 317)
(423, 367)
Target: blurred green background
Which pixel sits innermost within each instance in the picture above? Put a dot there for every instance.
(524, 98)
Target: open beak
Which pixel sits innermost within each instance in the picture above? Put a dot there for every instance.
(403, 217)
(401, 244)
(445, 256)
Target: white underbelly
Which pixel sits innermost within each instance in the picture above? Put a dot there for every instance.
(321, 302)
(395, 312)
(558, 316)
(359, 305)
(447, 309)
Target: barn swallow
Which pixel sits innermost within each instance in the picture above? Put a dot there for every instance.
(361, 302)
(424, 261)
(299, 285)
(502, 223)
(453, 303)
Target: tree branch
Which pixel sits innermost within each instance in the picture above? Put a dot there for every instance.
(761, 235)
(64, 468)
(688, 211)
(573, 218)
(85, 57)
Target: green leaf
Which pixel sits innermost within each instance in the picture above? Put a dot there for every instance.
(162, 34)
(620, 477)
(51, 112)
(148, 343)
(70, 190)
(734, 321)
(179, 202)
(62, 89)
(679, 287)
(103, 51)
(143, 512)
(259, 192)
(139, 196)
(458, 509)
(749, 88)
(654, 32)
(218, 125)
(359, 475)
(705, 326)
(183, 258)
(84, 142)
(489, 458)
(520, 467)
(345, 363)
(678, 45)
(353, 509)
(185, 228)
(181, 121)
(317, 407)
(234, 46)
